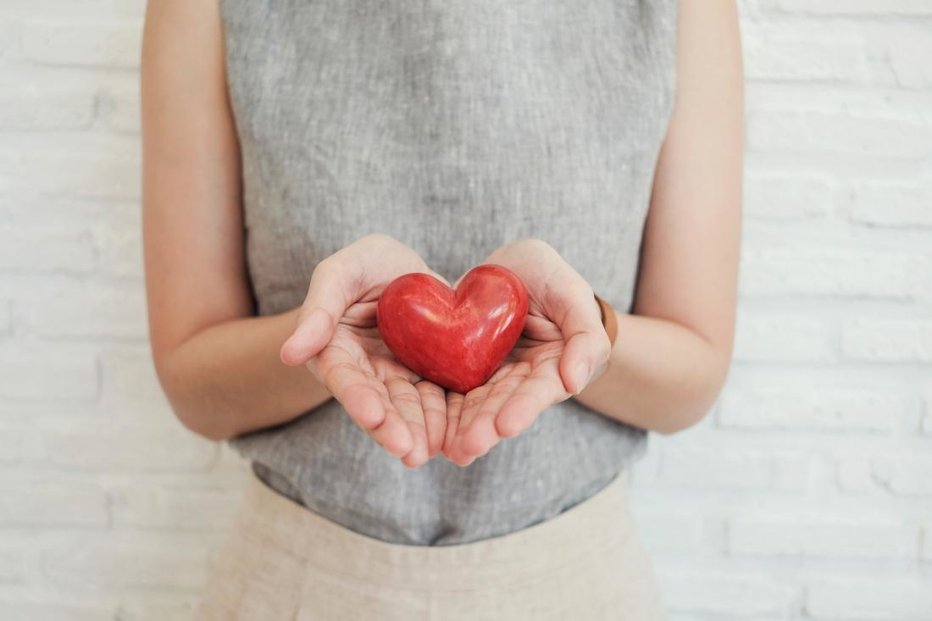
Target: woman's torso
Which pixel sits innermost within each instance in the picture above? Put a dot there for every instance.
(454, 127)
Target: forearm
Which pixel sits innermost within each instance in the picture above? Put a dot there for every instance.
(661, 375)
(227, 380)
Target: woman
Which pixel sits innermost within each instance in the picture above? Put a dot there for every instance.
(298, 156)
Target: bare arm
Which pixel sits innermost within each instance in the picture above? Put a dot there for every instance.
(218, 364)
(672, 353)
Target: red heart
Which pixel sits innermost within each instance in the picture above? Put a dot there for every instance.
(454, 338)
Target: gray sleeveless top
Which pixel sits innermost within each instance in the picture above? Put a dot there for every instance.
(454, 127)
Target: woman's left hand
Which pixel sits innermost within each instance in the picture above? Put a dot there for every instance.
(563, 347)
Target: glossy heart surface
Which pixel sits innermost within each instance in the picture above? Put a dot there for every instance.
(454, 338)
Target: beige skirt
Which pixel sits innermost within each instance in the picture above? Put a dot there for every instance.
(283, 561)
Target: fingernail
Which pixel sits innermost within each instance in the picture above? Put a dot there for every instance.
(582, 375)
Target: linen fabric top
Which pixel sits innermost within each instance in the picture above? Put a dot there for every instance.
(455, 127)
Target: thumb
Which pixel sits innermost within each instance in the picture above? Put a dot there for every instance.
(587, 346)
(328, 297)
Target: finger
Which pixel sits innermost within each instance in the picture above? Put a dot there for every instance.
(392, 432)
(407, 401)
(471, 403)
(471, 407)
(481, 434)
(583, 354)
(333, 288)
(454, 409)
(457, 455)
(364, 398)
(501, 372)
(587, 345)
(360, 314)
(434, 404)
(535, 394)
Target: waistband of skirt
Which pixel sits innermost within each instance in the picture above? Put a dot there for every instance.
(598, 522)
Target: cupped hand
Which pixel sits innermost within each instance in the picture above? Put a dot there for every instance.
(563, 347)
(337, 338)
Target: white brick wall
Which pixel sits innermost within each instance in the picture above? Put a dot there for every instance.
(805, 494)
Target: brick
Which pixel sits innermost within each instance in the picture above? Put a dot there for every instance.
(152, 413)
(111, 231)
(908, 52)
(645, 475)
(904, 474)
(879, 100)
(796, 270)
(12, 562)
(899, 599)
(89, 309)
(39, 504)
(889, 204)
(809, 407)
(128, 373)
(128, 560)
(119, 245)
(185, 508)
(668, 534)
(813, 131)
(120, 106)
(95, 213)
(155, 611)
(32, 413)
(735, 469)
(891, 340)
(854, 473)
(65, 246)
(784, 337)
(129, 449)
(786, 196)
(11, 448)
(803, 51)
(6, 316)
(821, 537)
(719, 593)
(47, 372)
(103, 9)
(9, 31)
(851, 7)
(82, 43)
(31, 104)
(11, 165)
(901, 474)
(12, 610)
(86, 165)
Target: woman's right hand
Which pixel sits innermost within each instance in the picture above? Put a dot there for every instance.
(338, 340)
